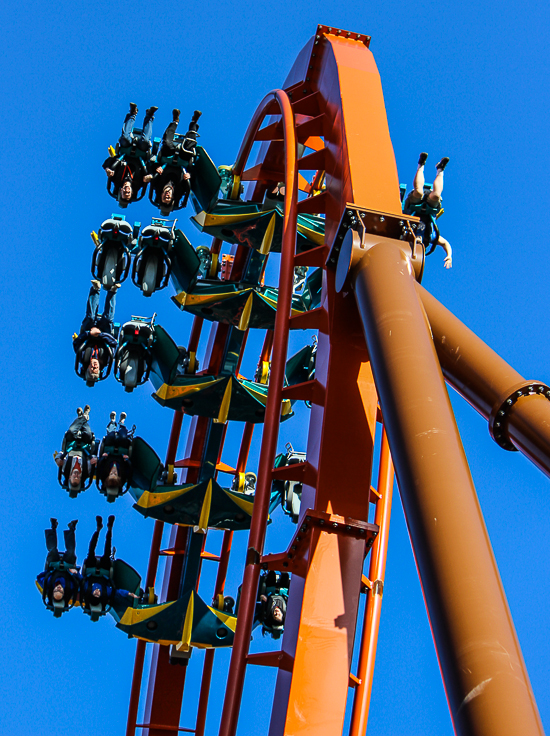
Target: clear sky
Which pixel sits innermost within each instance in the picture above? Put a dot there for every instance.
(469, 81)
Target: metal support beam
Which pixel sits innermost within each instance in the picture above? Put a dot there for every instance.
(483, 671)
(487, 382)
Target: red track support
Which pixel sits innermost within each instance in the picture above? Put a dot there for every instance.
(241, 643)
(150, 582)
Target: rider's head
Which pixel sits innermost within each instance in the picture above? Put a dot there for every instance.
(75, 478)
(96, 590)
(167, 196)
(113, 479)
(93, 372)
(277, 615)
(125, 194)
(58, 592)
(167, 203)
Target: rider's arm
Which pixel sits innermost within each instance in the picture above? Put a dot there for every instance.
(448, 262)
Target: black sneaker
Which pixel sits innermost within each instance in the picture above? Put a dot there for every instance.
(99, 522)
(441, 165)
(422, 159)
(150, 112)
(72, 524)
(133, 108)
(54, 523)
(175, 115)
(110, 522)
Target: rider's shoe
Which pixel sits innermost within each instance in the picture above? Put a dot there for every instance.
(422, 159)
(441, 165)
(175, 115)
(133, 108)
(150, 112)
(123, 416)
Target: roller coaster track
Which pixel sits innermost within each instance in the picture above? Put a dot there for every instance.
(376, 365)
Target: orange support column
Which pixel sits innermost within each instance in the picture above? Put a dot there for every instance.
(373, 608)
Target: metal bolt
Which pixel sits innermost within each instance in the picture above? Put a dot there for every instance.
(382, 218)
(335, 525)
(321, 522)
(348, 527)
(509, 402)
(308, 518)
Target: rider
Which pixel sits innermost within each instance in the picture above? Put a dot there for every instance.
(127, 170)
(76, 459)
(60, 581)
(427, 205)
(98, 588)
(272, 603)
(170, 185)
(115, 471)
(96, 343)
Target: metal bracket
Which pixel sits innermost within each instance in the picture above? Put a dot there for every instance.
(498, 424)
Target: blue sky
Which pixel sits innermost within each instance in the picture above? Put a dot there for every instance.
(469, 82)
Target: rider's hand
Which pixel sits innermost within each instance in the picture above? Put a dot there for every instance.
(186, 175)
(93, 460)
(159, 170)
(95, 331)
(109, 172)
(147, 178)
(448, 262)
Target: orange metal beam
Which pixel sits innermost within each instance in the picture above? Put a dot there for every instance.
(279, 101)
(373, 607)
(467, 608)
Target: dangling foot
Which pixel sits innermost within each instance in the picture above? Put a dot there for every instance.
(150, 112)
(175, 115)
(99, 522)
(110, 522)
(79, 411)
(54, 523)
(122, 417)
(96, 284)
(86, 411)
(422, 159)
(133, 108)
(112, 416)
(441, 165)
(72, 524)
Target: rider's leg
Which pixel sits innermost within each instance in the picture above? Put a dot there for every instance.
(147, 134)
(106, 558)
(434, 197)
(70, 544)
(418, 183)
(91, 559)
(129, 121)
